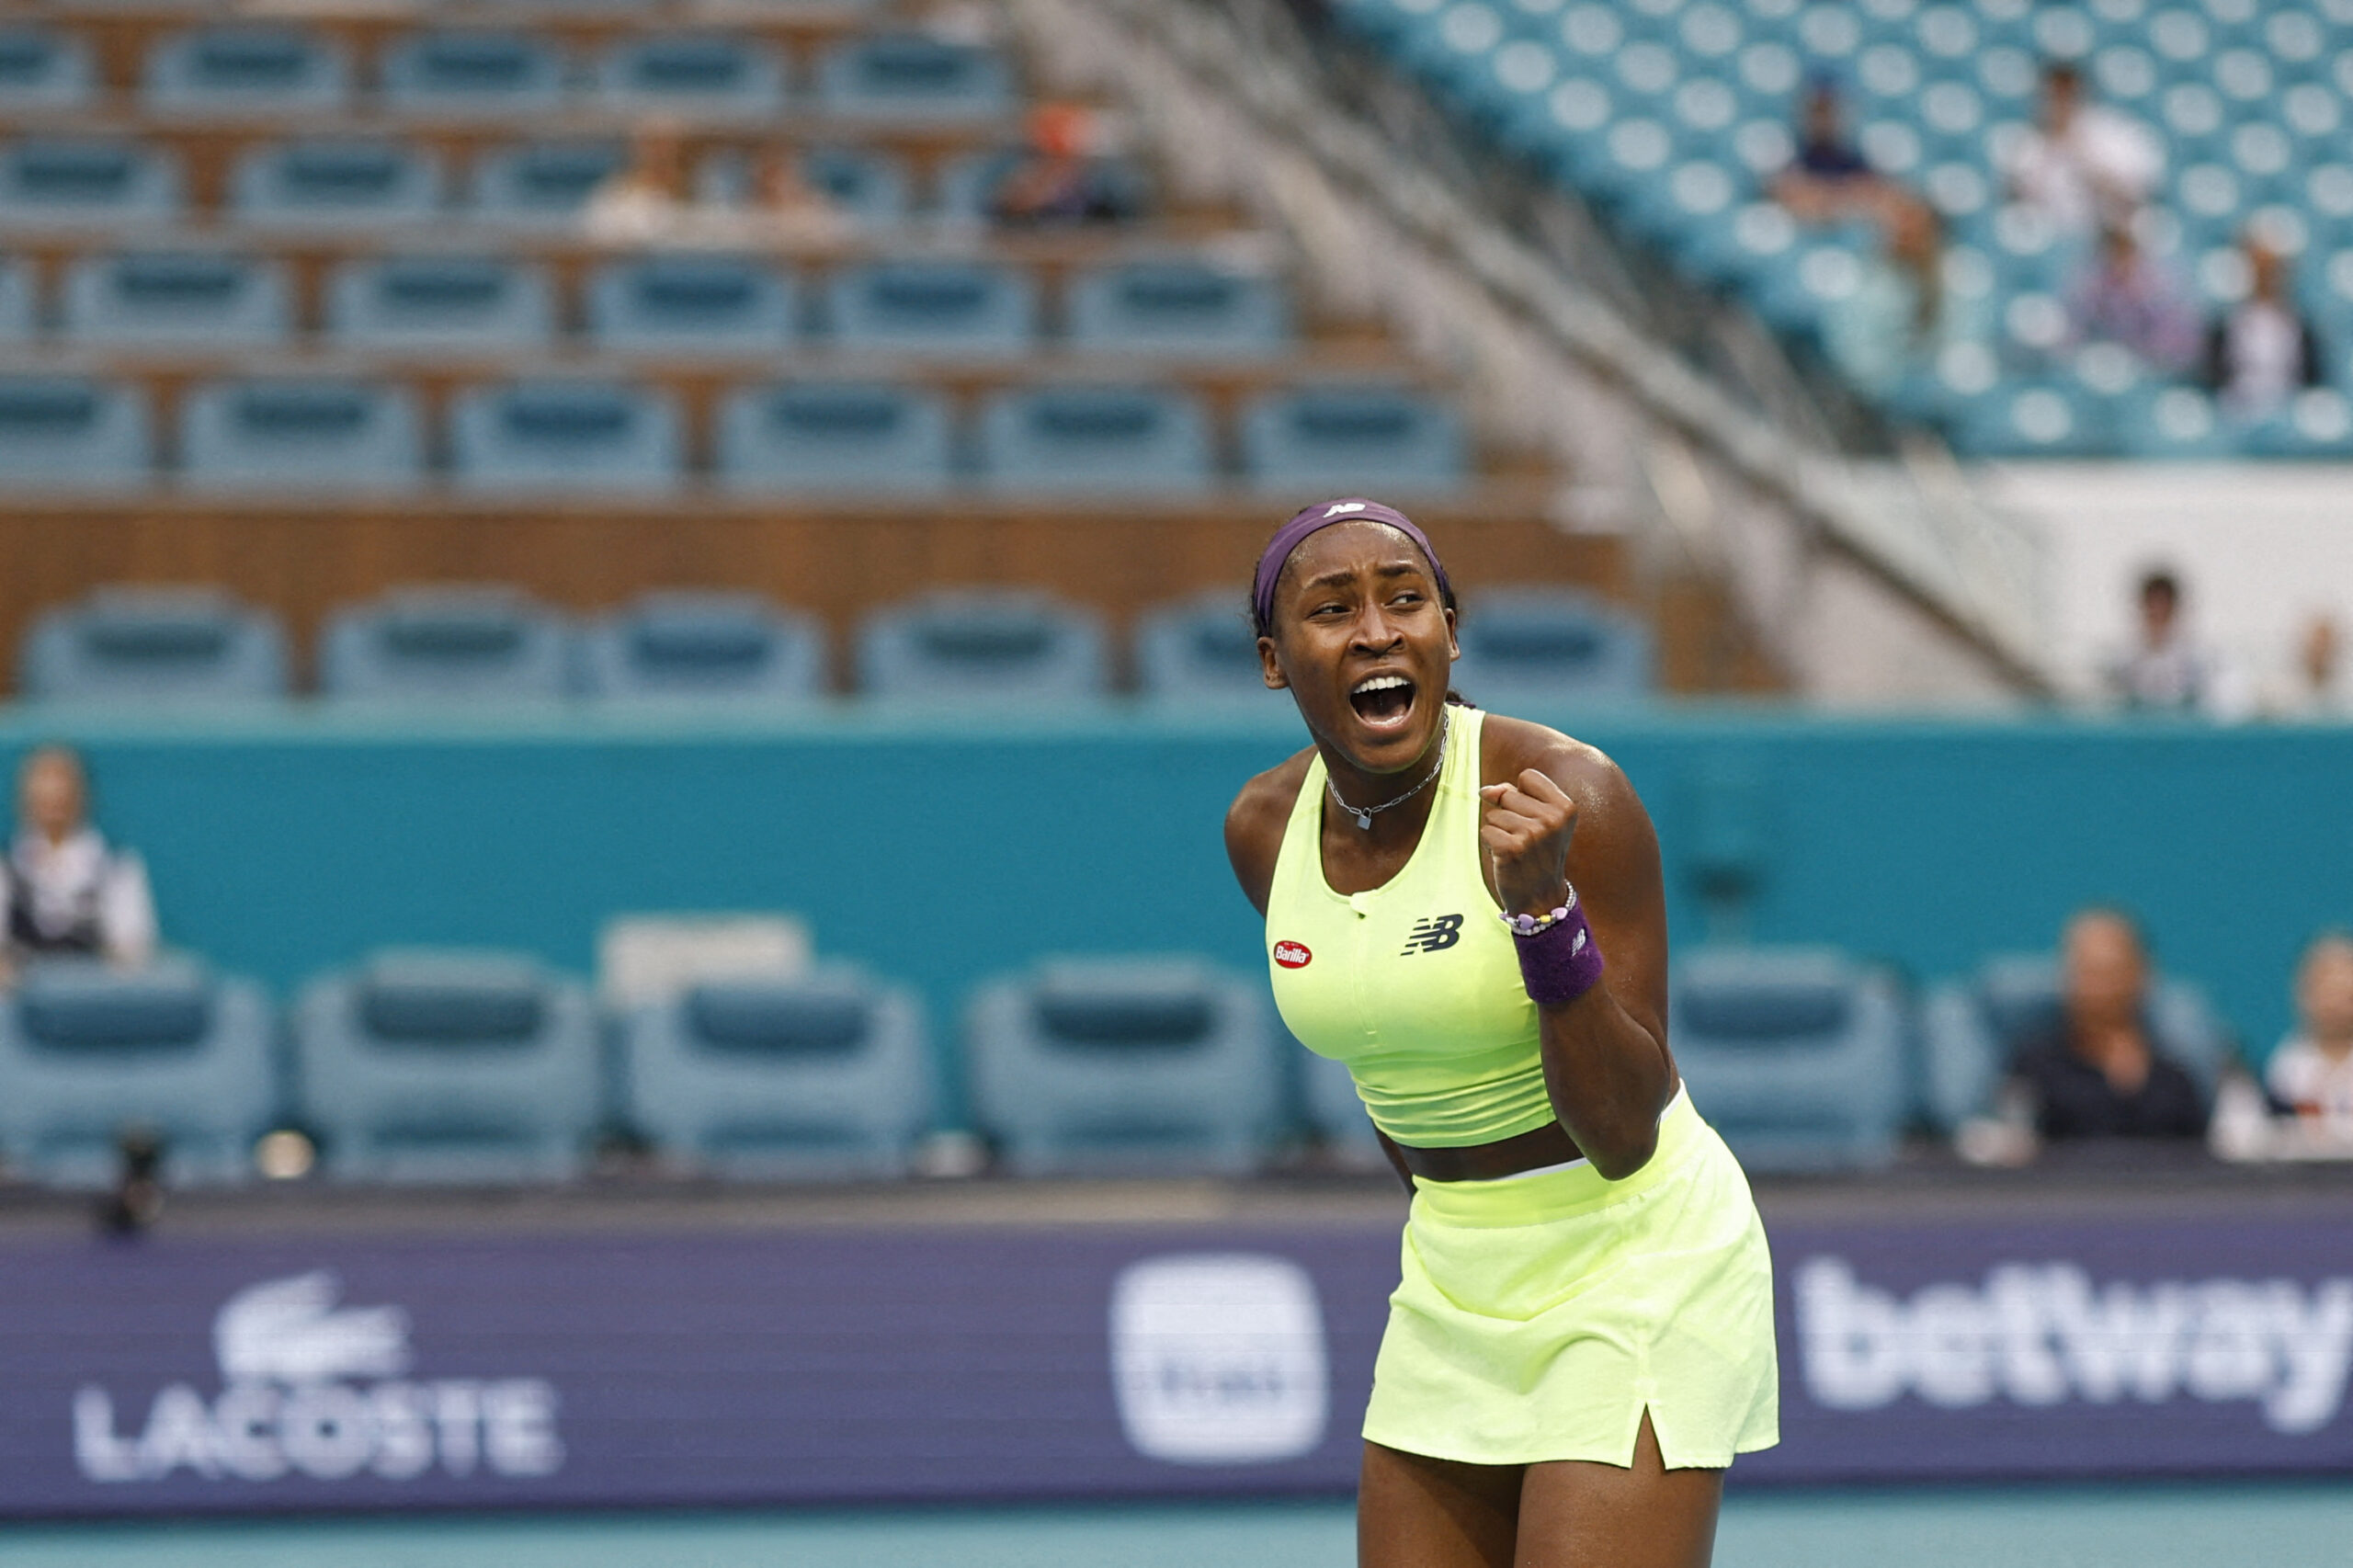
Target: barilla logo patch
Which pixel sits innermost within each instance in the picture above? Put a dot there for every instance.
(1293, 954)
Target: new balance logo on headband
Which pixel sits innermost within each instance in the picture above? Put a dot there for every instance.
(1435, 935)
(1337, 507)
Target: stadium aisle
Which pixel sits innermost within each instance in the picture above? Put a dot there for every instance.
(2279, 1526)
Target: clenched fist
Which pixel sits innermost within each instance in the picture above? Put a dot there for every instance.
(1526, 827)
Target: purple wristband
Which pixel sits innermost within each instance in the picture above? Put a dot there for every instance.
(1562, 962)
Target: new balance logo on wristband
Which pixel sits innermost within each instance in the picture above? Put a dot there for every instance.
(1435, 935)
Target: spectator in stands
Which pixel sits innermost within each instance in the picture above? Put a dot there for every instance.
(2098, 1072)
(2262, 351)
(787, 209)
(2084, 165)
(1827, 179)
(2316, 686)
(1061, 176)
(1900, 315)
(2312, 1073)
(69, 892)
(2125, 296)
(646, 201)
(2166, 670)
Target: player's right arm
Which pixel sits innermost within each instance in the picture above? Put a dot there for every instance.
(1254, 826)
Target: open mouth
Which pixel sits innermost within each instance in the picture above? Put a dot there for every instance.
(1381, 699)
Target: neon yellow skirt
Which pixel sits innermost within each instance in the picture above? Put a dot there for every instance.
(1539, 1317)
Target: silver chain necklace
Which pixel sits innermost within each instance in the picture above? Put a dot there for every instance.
(1364, 814)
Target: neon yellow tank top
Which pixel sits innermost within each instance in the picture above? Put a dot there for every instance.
(1414, 985)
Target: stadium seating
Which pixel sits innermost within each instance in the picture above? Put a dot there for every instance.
(339, 184)
(88, 1053)
(824, 1076)
(1178, 307)
(324, 438)
(246, 71)
(1796, 1055)
(447, 1066)
(191, 298)
(19, 318)
(55, 182)
(475, 73)
(868, 185)
(941, 308)
(1361, 440)
(541, 185)
(566, 437)
(1095, 440)
(699, 76)
(707, 646)
(423, 302)
(1202, 649)
(692, 306)
(954, 646)
(1551, 645)
(1970, 1028)
(41, 68)
(1123, 1064)
(860, 439)
(174, 645)
(911, 77)
(445, 643)
(65, 432)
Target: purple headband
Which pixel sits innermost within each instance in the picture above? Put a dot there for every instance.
(1323, 514)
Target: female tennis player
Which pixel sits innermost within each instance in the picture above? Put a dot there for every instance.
(1466, 910)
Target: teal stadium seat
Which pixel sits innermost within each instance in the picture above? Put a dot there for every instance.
(688, 646)
(866, 183)
(1377, 440)
(1972, 1028)
(1552, 646)
(448, 1066)
(701, 77)
(242, 71)
(913, 77)
(328, 438)
(1124, 1065)
(417, 303)
(1203, 649)
(443, 644)
(980, 645)
(473, 75)
(1095, 440)
(206, 299)
(19, 314)
(853, 438)
(941, 308)
(174, 645)
(693, 307)
(566, 437)
(336, 185)
(1796, 1055)
(45, 69)
(89, 1051)
(87, 182)
(1178, 307)
(826, 1076)
(541, 185)
(72, 434)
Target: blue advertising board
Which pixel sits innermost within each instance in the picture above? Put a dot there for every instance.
(183, 1375)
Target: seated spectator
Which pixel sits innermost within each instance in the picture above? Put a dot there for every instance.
(2084, 167)
(2166, 670)
(2312, 1073)
(2098, 1073)
(2127, 298)
(1827, 179)
(1061, 176)
(785, 210)
(2315, 686)
(69, 892)
(2261, 352)
(1899, 317)
(643, 202)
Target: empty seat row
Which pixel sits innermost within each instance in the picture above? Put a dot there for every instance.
(246, 70)
(327, 183)
(574, 438)
(1526, 645)
(1176, 305)
(439, 1066)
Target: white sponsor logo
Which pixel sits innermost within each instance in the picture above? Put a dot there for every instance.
(1337, 507)
(2043, 1333)
(1219, 1360)
(311, 1389)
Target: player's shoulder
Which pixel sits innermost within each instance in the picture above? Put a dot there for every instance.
(1509, 746)
(1265, 803)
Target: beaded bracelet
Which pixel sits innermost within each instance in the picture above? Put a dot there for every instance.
(1529, 925)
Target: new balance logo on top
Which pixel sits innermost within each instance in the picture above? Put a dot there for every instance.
(1337, 507)
(1435, 935)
